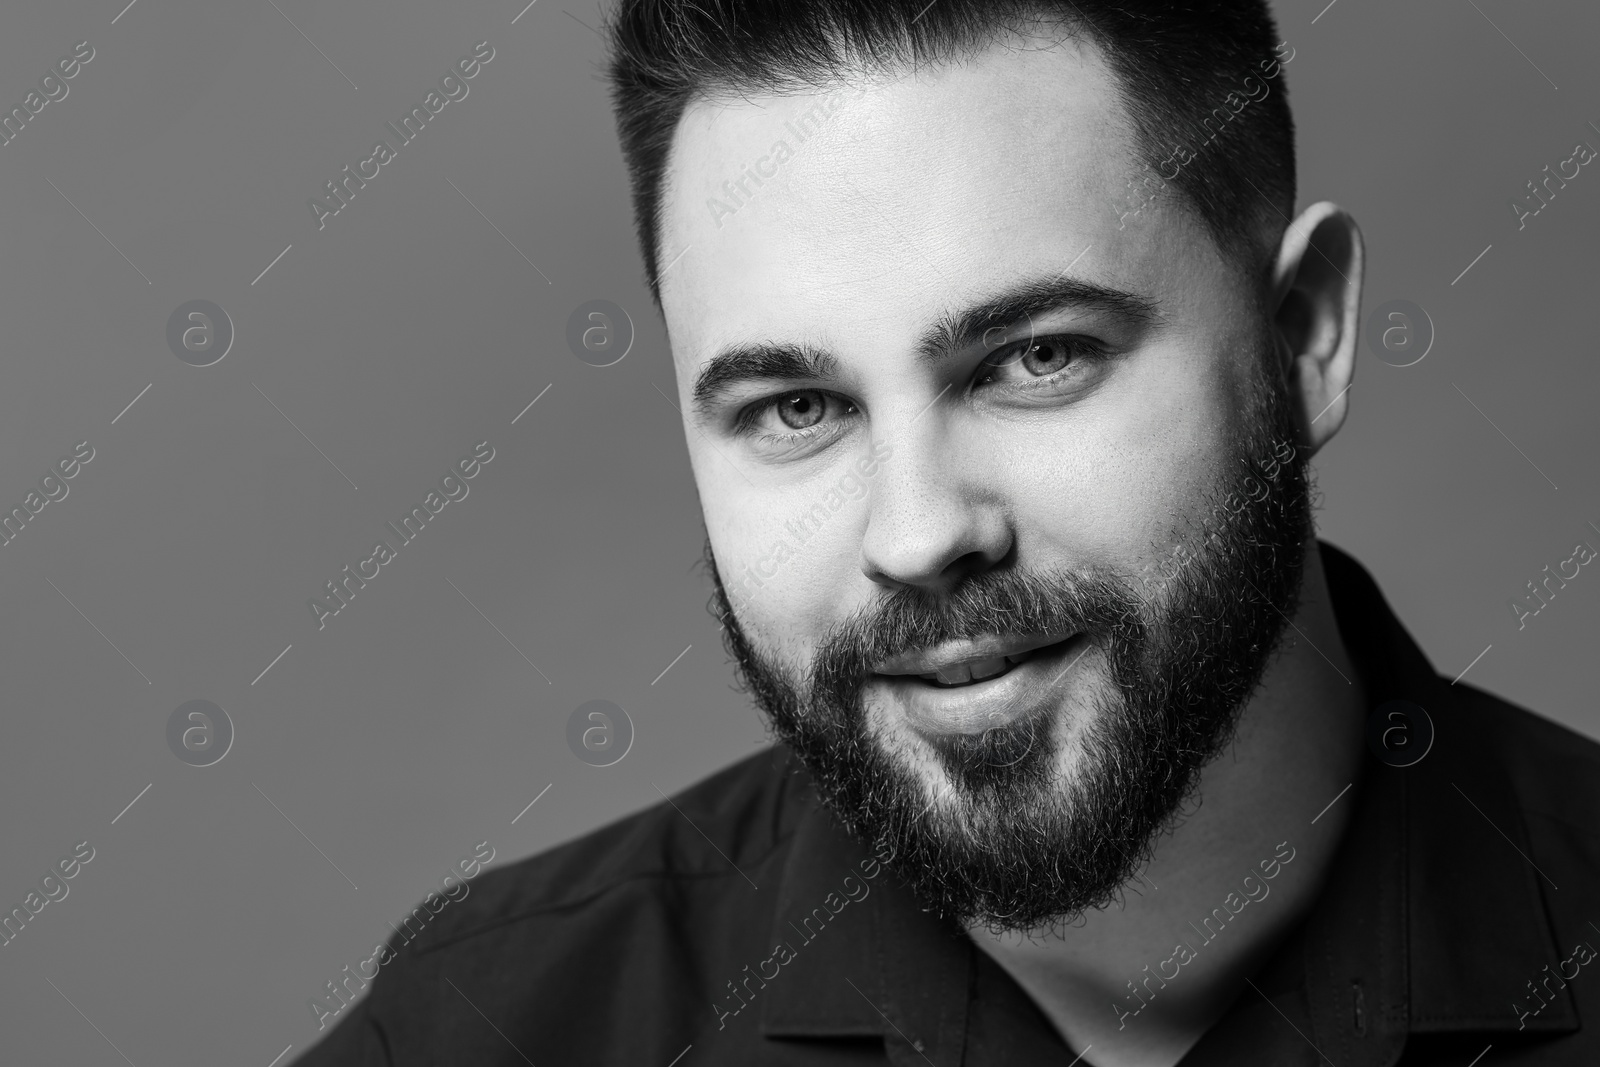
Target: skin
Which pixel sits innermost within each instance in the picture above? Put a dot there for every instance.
(923, 194)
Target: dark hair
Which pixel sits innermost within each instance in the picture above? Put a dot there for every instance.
(1185, 72)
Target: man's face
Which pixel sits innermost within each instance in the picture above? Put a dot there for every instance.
(985, 574)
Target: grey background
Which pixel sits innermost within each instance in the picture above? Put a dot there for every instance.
(409, 729)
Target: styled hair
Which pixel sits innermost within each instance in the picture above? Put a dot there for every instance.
(1185, 72)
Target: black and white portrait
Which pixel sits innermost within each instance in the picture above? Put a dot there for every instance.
(689, 532)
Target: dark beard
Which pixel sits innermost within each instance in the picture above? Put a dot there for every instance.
(1017, 847)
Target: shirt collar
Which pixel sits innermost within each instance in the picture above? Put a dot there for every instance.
(1431, 912)
(1474, 916)
(867, 960)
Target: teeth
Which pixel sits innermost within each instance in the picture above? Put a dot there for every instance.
(976, 670)
(972, 671)
(988, 668)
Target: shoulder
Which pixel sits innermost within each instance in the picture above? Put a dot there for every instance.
(733, 820)
(625, 920)
(1555, 770)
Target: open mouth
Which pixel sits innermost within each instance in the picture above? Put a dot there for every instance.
(977, 684)
(984, 670)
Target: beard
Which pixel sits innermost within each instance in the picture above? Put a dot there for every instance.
(1013, 842)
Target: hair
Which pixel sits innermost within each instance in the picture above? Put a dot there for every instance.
(1176, 63)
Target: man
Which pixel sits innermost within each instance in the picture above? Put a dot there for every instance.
(1002, 356)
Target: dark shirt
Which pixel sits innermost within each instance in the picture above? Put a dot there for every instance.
(736, 924)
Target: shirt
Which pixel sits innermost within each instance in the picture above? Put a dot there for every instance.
(736, 924)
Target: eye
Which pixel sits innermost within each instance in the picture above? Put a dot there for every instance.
(801, 410)
(803, 416)
(1040, 358)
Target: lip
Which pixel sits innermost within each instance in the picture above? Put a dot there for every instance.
(1025, 690)
(965, 651)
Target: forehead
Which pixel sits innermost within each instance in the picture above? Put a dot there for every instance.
(882, 201)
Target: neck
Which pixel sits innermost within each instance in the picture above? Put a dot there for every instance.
(1142, 980)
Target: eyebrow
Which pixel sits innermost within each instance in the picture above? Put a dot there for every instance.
(952, 332)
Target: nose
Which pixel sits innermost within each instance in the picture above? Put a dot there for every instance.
(936, 513)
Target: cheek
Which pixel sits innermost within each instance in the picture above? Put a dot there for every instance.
(785, 578)
(1116, 482)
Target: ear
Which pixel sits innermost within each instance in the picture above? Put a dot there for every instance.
(1316, 304)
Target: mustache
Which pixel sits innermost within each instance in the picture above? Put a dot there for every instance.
(1100, 606)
